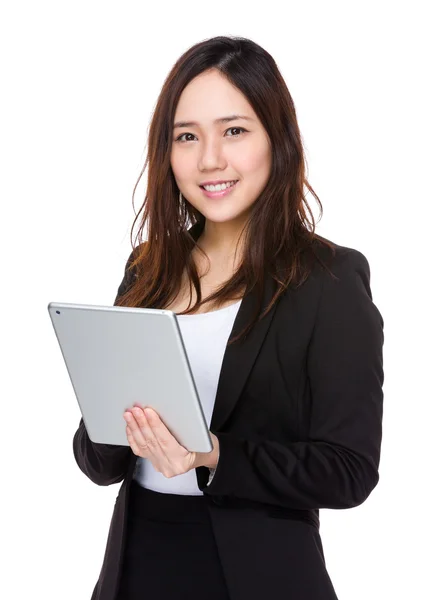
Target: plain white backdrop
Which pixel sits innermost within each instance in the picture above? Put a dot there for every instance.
(79, 82)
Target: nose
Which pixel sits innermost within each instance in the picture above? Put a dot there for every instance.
(211, 156)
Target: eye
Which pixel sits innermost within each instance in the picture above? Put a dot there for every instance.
(179, 139)
(241, 128)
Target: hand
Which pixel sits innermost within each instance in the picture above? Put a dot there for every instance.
(149, 438)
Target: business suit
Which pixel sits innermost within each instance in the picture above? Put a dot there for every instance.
(298, 415)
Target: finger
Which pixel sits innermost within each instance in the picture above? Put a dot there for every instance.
(129, 430)
(143, 434)
(135, 448)
(163, 435)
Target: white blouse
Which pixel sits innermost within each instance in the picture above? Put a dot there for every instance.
(205, 336)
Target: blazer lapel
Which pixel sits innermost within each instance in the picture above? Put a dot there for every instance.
(239, 358)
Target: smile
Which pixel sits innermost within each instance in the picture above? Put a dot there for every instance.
(218, 191)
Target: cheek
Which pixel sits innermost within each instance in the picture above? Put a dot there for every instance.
(255, 157)
(182, 166)
(256, 164)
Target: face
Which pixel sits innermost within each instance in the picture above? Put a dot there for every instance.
(238, 149)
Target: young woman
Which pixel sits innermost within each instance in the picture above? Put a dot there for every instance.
(284, 341)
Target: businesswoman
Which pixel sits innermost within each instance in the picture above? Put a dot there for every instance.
(283, 338)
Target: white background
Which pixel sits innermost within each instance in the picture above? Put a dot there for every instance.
(79, 81)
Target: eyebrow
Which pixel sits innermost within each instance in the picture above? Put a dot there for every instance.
(220, 120)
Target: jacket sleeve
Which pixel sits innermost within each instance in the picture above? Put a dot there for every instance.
(104, 464)
(337, 466)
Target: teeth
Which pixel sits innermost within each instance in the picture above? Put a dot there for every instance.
(219, 187)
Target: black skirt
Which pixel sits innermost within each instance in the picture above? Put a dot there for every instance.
(170, 551)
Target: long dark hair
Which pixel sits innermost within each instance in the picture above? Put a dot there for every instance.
(279, 236)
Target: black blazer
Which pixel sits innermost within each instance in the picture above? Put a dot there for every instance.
(298, 415)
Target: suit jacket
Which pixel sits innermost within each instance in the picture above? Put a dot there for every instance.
(298, 415)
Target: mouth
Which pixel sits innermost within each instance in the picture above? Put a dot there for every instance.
(220, 193)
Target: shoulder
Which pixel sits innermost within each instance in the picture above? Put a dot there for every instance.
(340, 277)
(344, 301)
(136, 251)
(343, 262)
(134, 255)
(131, 270)
(345, 293)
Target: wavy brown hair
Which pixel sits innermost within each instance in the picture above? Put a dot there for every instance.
(280, 238)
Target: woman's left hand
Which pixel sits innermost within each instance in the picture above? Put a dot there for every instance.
(149, 438)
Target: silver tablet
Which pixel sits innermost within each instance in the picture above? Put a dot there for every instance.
(118, 356)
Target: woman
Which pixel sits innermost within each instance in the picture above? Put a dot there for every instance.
(283, 339)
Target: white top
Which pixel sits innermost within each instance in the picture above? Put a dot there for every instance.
(205, 336)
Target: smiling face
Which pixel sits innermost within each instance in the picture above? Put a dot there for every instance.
(236, 149)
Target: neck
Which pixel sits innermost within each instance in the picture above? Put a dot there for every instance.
(221, 240)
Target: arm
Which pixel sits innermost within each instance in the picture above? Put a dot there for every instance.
(103, 464)
(337, 467)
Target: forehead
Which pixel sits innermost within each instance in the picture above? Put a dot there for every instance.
(210, 96)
